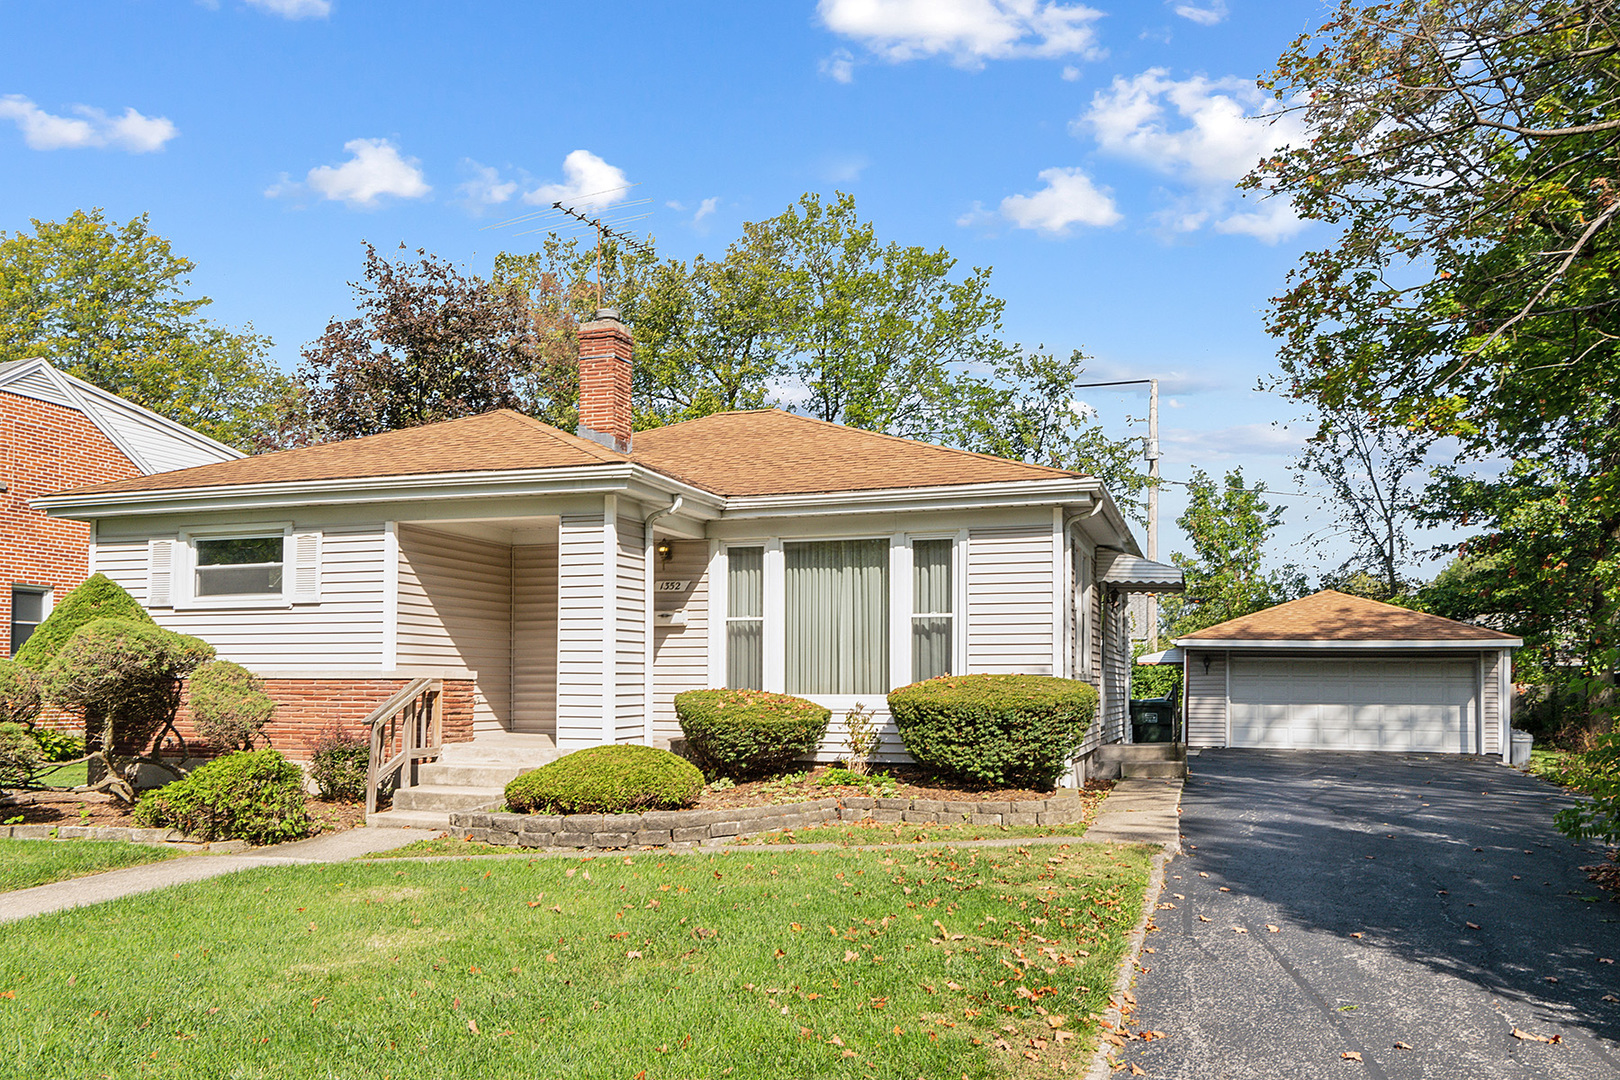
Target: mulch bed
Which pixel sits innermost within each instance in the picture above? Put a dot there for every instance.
(94, 808)
(911, 782)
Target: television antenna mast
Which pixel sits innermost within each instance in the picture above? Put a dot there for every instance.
(605, 230)
(608, 224)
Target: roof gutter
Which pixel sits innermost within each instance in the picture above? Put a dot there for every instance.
(1080, 493)
(1391, 643)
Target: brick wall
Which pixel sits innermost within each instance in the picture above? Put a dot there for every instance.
(46, 448)
(605, 348)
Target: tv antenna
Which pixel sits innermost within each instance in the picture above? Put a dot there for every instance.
(562, 217)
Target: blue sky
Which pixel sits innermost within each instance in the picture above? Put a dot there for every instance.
(1086, 153)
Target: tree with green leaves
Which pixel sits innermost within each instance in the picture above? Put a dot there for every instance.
(111, 304)
(1228, 524)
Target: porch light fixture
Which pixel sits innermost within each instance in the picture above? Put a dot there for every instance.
(664, 551)
(1206, 663)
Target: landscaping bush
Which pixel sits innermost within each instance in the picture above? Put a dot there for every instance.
(59, 745)
(1156, 681)
(20, 755)
(339, 766)
(623, 779)
(100, 597)
(995, 730)
(742, 734)
(229, 707)
(20, 690)
(1598, 776)
(252, 795)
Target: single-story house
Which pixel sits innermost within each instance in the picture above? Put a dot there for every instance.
(1332, 671)
(566, 586)
(59, 431)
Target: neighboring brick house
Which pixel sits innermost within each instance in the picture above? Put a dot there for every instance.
(58, 432)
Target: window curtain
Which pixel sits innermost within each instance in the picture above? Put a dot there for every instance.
(931, 609)
(837, 610)
(745, 618)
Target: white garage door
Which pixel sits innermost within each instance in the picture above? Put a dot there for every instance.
(1334, 704)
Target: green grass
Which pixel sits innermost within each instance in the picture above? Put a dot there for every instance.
(1562, 767)
(906, 833)
(68, 776)
(26, 863)
(899, 964)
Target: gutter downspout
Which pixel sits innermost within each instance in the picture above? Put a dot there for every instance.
(647, 617)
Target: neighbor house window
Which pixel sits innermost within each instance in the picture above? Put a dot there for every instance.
(837, 614)
(931, 617)
(240, 566)
(27, 612)
(745, 618)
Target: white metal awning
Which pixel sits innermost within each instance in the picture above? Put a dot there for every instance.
(1134, 574)
(1168, 656)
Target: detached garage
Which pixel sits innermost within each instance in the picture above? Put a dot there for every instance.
(1338, 672)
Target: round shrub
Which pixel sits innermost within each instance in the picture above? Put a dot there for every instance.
(744, 734)
(995, 730)
(607, 780)
(99, 597)
(228, 704)
(125, 674)
(20, 755)
(253, 795)
(339, 766)
(20, 690)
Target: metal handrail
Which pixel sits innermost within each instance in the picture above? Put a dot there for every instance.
(414, 719)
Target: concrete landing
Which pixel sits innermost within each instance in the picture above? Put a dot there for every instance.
(1140, 811)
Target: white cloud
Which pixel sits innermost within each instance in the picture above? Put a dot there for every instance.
(843, 168)
(294, 9)
(968, 31)
(1209, 14)
(1206, 133)
(90, 128)
(375, 169)
(1240, 441)
(591, 184)
(484, 187)
(1069, 198)
(705, 208)
(1071, 73)
(840, 66)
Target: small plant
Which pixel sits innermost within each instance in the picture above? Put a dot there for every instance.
(59, 745)
(861, 737)
(624, 779)
(20, 756)
(229, 707)
(339, 766)
(252, 795)
(724, 783)
(745, 734)
(882, 783)
(1598, 816)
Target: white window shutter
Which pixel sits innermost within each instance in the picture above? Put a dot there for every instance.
(306, 568)
(160, 574)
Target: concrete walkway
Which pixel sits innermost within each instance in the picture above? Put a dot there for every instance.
(1140, 811)
(333, 847)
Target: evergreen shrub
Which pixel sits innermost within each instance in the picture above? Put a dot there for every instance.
(744, 734)
(995, 731)
(622, 779)
(99, 597)
(252, 795)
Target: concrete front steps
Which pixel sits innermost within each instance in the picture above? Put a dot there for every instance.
(1117, 761)
(466, 777)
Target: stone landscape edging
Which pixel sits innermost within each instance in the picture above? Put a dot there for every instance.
(660, 828)
(115, 832)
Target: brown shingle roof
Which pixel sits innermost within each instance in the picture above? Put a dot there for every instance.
(495, 441)
(1337, 616)
(771, 452)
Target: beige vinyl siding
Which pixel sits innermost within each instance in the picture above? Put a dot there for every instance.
(1206, 699)
(680, 653)
(579, 630)
(534, 638)
(343, 630)
(455, 610)
(1010, 596)
(630, 631)
(1492, 705)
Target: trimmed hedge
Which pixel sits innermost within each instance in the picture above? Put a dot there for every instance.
(744, 734)
(229, 707)
(100, 597)
(623, 779)
(995, 730)
(253, 795)
(126, 669)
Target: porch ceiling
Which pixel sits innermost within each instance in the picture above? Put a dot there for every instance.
(538, 529)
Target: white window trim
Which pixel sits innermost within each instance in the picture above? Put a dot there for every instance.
(720, 605)
(184, 582)
(908, 601)
(46, 607)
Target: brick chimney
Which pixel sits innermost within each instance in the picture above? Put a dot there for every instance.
(605, 348)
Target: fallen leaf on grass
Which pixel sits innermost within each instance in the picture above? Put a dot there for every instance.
(633, 954)
(472, 1026)
(850, 955)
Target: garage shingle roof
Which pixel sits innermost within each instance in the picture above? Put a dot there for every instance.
(1336, 616)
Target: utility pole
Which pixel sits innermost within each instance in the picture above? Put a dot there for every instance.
(1150, 451)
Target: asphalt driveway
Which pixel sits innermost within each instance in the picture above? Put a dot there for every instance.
(1417, 900)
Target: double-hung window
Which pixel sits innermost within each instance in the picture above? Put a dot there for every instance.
(933, 623)
(238, 566)
(28, 606)
(745, 618)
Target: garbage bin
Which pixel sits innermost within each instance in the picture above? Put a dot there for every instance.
(1153, 720)
(1520, 754)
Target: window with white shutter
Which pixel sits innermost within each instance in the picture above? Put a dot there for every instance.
(160, 574)
(306, 550)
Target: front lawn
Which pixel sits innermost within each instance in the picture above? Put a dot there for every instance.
(903, 963)
(26, 863)
(877, 833)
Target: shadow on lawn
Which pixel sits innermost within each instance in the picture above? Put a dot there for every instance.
(1295, 829)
